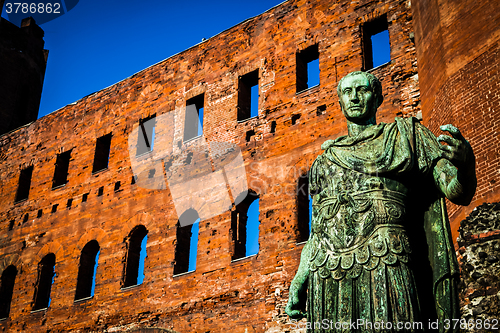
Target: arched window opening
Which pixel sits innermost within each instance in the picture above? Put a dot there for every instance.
(85, 284)
(46, 273)
(187, 242)
(304, 209)
(245, 226)
(6, 290)
(136, 256)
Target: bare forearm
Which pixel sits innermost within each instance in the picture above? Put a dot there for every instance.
(299, 281)
(296, 301)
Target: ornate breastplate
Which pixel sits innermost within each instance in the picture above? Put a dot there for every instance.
(348, 218)
(358, 222)
(356, 231)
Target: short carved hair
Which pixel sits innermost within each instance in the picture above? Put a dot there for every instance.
(374, 84)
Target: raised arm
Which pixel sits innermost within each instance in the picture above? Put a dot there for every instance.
(455, 173)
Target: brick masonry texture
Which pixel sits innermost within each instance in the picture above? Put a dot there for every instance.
(248, 295)
(458, 51)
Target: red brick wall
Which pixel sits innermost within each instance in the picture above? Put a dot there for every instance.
(458, 49)
(242, 296)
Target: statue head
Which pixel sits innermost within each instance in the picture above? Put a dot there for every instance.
(360, 94)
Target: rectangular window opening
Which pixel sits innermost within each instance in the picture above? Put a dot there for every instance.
(61, 169)
(248, 95)
(101, 155)
(69, 203)
(376, 45)
(23, 189)
(146, 136)
(85, 196)
(100, 192)
(54, 208)
(307, 62)
(40, 213)
(193, 123)
(117, 186)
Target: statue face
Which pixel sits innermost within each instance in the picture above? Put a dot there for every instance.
(357, 99)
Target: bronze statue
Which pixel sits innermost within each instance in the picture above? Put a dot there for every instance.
(380, 250)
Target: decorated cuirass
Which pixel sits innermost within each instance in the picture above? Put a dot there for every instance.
(359, 221)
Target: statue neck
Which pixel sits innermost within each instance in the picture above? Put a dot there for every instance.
(353, 129)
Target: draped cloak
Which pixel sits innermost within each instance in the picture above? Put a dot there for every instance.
(403, 268)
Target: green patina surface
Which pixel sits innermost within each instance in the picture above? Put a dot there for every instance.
(380, 249)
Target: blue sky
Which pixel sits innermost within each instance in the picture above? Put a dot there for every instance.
(99, 43)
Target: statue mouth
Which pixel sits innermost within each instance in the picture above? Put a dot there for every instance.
(356, 108)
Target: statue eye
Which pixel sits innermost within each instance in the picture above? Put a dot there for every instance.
(347, 90)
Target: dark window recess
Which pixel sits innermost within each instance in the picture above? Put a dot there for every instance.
(136, 254)
(376, 46)
(304, 211)
(273, 126)
(320, 110)
(100, 192)
(193, 123)
(85, 196)
(61, 170)
(187, 242)
(307, 71)
(23, 189)
(245, 226)
(248, 95)
(44, 283)
(11, 224)
(40, 213)
(249, 135)
(101, 155)
(6, 290)
(189, 158)
(85, 283)
(295, 118)
(26, 217)
(117, 186)
(69, 203)
(146, 136)
(134, 178)
(54, 208)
